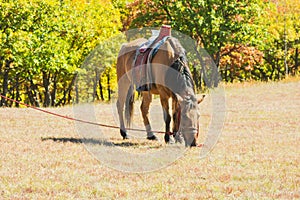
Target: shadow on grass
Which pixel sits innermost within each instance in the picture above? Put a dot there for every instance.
(92, 141)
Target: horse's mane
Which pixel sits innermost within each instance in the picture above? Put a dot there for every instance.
(181, 65)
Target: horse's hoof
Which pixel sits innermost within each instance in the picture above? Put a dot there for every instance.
(194, 143)
(171, 141)
(125, 137)
(167, 138)
(124, 134)
(178, 138)
(152, 138)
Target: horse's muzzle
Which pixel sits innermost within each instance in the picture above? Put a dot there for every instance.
(190, 137)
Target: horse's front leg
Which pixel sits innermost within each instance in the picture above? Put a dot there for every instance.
(176, 120)
(146, 100)
(167, 118)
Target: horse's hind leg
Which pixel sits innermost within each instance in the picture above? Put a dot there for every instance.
(146, 100)
(123, 87)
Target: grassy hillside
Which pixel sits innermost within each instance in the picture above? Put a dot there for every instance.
(257, 155)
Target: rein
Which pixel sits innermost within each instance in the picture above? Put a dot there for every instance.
(75, 119)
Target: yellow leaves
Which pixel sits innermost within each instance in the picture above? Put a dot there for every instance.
(281, 16)
(240, 61)
(226, 60)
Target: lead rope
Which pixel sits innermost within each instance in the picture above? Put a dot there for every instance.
(75, 119)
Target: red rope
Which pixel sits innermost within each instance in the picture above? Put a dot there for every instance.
(74, 119)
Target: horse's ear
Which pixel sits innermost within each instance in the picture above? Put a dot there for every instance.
(201, 99)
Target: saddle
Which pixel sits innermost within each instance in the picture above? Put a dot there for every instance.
(142, 76)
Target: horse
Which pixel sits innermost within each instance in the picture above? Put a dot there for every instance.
(171, 79)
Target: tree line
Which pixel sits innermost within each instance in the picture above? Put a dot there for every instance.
(247, 40)
(57, 52)
(43, 44)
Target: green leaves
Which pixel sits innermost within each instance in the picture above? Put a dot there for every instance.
(51, 37)
(212, 23)
(216, 24)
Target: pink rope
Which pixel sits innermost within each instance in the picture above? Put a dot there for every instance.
(74, 119)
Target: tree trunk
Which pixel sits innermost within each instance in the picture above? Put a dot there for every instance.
(101, 90)
(73, 82)
(77, 93)
(215, 69)
(34, 94)
(68, 92)
(108, 86)
(296, 61)
(196, 77)
(17, 90)
(231, 74)
(5, 83)
(54, 90)
(46, 84)
(4, 87)
(96, 80)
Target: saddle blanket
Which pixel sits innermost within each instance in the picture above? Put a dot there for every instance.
(142, 76)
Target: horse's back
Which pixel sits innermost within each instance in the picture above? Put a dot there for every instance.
(126, 56)
(160, 63)
(131, 47)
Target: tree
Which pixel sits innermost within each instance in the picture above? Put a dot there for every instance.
(281, 40)
(43, 44)
(244, 63)
(98, 71)
(213, 24)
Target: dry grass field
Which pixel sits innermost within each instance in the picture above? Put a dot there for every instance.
(257, 155)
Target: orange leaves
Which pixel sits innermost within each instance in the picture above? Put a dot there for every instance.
(242, 56)
(238, 62)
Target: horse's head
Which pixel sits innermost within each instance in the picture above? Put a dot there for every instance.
(189, 118)
(180, 80)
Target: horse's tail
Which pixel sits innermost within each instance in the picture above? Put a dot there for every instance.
(129, 105)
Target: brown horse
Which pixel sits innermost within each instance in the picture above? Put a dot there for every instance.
(171, 78)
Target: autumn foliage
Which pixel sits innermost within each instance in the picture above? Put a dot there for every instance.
(43, 44)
